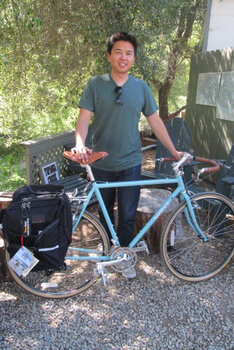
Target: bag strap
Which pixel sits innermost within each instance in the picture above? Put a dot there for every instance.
(65, 220)
(37, 190)
(46, 189)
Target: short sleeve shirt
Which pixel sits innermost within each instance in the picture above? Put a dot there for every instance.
(115, 126)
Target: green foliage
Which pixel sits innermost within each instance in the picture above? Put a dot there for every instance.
(12, 171)
(178, 92)
(49, 49)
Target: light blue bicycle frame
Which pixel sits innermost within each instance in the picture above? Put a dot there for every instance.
(179, 191)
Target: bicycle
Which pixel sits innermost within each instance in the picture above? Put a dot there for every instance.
(196, 242)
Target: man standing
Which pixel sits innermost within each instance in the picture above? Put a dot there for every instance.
(117, 101)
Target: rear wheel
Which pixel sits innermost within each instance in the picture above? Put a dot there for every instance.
(76, 275)
(185, 253)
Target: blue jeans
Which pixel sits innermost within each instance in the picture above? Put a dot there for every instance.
(127, 198)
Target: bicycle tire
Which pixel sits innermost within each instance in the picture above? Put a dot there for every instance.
(185, 254)
(79, 275)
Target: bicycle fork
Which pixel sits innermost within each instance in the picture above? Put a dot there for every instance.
(189, 213)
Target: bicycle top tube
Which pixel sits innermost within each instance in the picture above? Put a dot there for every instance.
(99, 155)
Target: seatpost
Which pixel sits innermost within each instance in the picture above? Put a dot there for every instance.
(89, 171)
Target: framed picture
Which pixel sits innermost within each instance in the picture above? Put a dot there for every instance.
(49, 172)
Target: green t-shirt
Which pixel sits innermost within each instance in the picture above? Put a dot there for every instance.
(115, 126)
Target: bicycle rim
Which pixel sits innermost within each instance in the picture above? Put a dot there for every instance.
(79, 274)
(184, 251)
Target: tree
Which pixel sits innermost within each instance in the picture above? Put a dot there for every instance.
(51, 48)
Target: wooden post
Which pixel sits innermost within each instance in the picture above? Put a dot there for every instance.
(150, 201)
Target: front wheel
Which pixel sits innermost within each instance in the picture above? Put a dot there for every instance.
(89, 240)
(185, 252)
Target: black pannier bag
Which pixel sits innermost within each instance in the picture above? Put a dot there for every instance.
(39, 217)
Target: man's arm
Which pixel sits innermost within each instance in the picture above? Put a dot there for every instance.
(81, 132)
(161, 133)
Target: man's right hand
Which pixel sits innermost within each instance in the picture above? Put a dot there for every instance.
(82, 152)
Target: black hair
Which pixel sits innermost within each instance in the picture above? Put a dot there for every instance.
(123, 36)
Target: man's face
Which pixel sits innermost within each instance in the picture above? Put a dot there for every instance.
(122, 57)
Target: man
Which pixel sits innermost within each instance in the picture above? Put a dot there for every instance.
(117, 101)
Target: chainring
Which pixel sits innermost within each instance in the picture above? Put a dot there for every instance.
(131, 259)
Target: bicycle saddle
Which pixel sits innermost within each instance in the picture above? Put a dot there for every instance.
(91, 158)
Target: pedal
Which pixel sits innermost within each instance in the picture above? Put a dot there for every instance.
(101, 267)
(104, 274)
(141, 247)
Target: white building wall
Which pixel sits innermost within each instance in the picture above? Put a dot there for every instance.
(219, 26)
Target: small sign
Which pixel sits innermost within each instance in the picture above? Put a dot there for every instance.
(50, 173)
(23, 262)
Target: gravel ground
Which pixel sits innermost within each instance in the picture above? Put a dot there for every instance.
(152, 311)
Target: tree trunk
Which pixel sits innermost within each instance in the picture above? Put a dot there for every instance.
(151, 199)
(163, 94)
